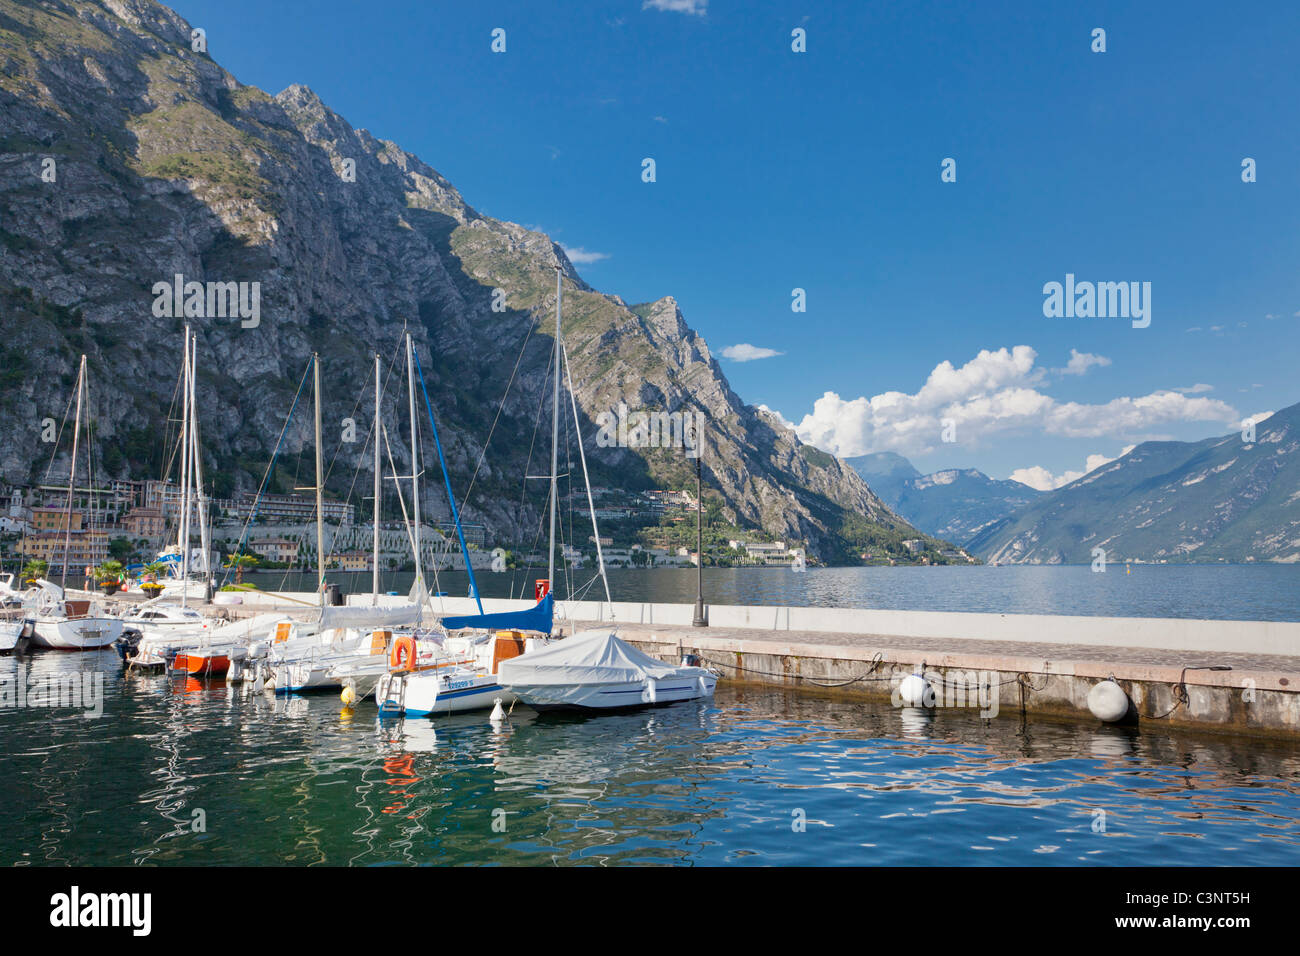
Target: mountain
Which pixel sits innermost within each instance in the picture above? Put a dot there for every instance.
(956, 504)
(127, 159)
(1221, 499)
(884, 471)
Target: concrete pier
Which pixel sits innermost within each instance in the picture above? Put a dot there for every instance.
(1001, 664)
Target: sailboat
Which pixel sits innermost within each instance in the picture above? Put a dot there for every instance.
(461, 674)
(157, 628)
(189, 571)
(58, 622)
(593, 670)
(301, 655)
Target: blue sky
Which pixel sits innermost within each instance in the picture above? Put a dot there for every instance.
(821, 170)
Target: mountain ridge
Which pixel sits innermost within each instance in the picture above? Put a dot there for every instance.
(954, 503)
(1218, 499)
(167, 165)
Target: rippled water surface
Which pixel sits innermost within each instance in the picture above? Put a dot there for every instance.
(1253, 592)
(754, 777)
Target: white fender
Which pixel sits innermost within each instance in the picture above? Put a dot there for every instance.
(1108, 702)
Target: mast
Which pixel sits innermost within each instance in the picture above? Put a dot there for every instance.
(183, 530)
(197, 469)
(320, 482)
(586, 478)
(378, 487)
(415, 463)
(555, 432)
(72, 473)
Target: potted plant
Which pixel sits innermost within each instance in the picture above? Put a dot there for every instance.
(109, 576)
(36, 568)
(149, 578)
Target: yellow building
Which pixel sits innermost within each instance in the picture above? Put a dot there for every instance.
(55, 519)
(83, 548)
(353, 561)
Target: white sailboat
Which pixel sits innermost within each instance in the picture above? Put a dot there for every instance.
(592, 670)
(305, 660)
(57, 622)
(159, 627)
(458, 673)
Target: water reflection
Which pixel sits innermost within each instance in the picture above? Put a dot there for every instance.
(178, 773)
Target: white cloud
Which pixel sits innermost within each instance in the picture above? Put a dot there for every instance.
(993, 395)
(581, 257)
(1038, 478)
(696, 7)
(1080, 362)
(1042, 479)
(1196, 389)
(744, 352)
(661, 119)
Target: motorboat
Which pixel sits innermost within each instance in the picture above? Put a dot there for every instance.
(596, 670)
(157, 630)
(168, 623)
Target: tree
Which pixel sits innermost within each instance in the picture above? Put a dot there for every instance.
(121, 548)
(110, 570)
(36, 568)
(241, 561)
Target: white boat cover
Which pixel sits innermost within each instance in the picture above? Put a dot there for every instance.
(369, 616)
(257, 626)
(588, 657)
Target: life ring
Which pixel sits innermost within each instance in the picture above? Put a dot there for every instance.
(402, 656)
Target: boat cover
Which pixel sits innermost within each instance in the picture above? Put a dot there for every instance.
(538, 618)
(369, 616)
(588, 657)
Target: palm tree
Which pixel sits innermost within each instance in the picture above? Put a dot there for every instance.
(239, 562)
(109, 570)
(35, 568)
(109, 575)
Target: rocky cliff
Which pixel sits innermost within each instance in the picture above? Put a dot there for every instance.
(127, 158)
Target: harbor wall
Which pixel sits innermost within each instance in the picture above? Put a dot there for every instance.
(996, 686)
(1175, 634)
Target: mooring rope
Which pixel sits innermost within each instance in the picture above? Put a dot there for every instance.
(876, 660)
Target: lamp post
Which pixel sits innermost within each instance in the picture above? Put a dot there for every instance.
(701, 617)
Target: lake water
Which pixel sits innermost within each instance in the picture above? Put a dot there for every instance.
(178, 772)
(1268, 592)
